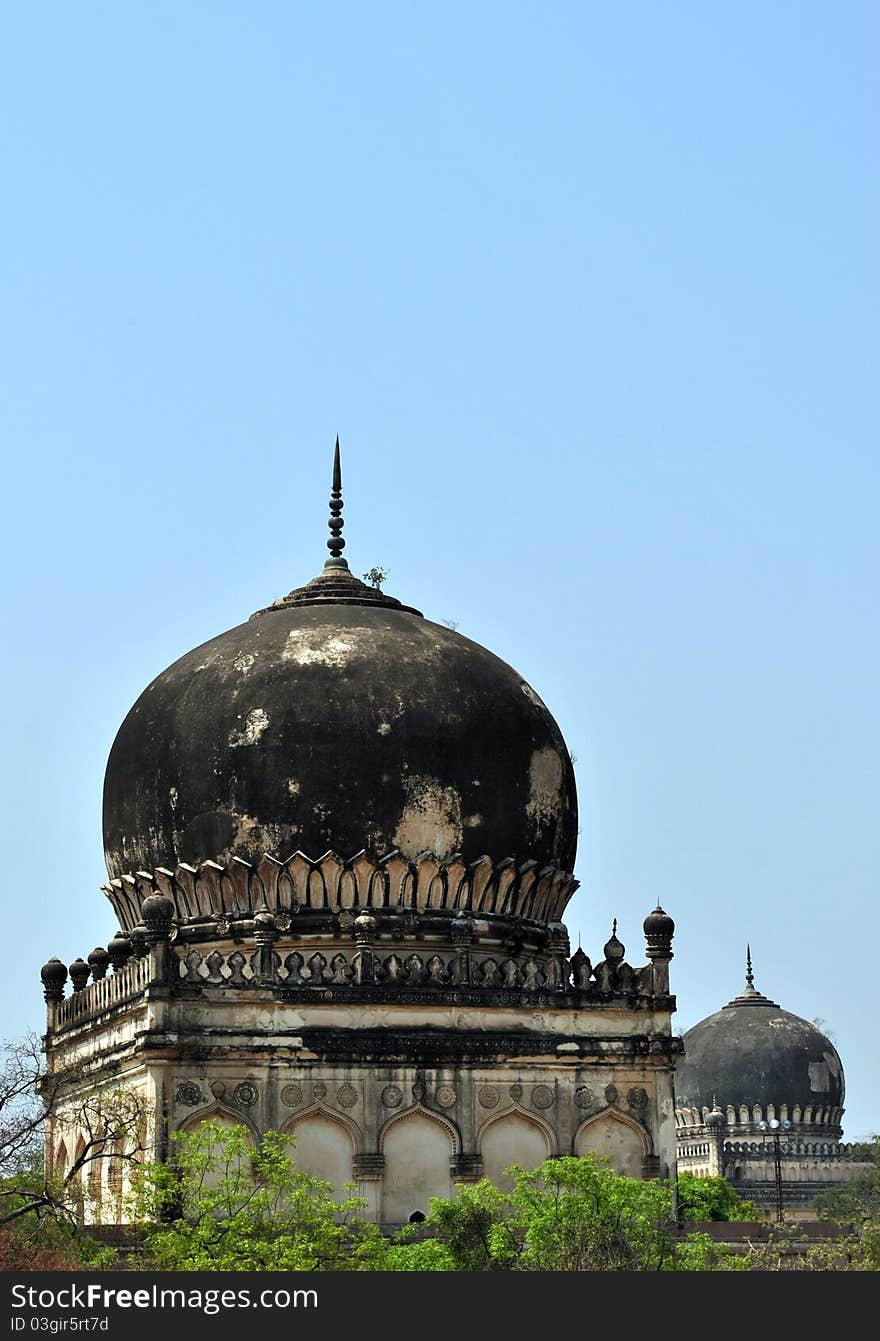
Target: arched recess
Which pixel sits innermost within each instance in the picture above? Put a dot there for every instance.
(419, 1148)
(223, 1116)
(509, 1138)
(221, 1169)
(323, 1146)
(618, 1137)
(60, 1164)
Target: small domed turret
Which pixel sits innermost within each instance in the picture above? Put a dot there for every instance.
(53, 975)
(98, 961)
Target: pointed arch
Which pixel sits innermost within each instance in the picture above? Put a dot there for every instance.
(223, 1112)
(324, 1145)
(217, 1170)
(624, 1141)
(319, 1107)
(418, 1147)
(419, 1109)
(517, 1109)
(515, 1136)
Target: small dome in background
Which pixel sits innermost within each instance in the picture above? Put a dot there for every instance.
(753, 1053)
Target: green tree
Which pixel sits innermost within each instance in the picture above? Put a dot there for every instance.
(571, 1214)
(857, 1201)
(856, 1204)
(712, 1199)
(223, 1204)
(477, 1230)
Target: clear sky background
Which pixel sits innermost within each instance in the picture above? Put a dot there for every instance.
(590, 293)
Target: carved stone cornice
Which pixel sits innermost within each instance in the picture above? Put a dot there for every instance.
(432, 1047)
(329, 883)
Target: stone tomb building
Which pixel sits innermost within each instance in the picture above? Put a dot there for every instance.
(340, 841)
(759, 1100)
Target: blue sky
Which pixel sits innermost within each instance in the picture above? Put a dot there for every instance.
(589, 292)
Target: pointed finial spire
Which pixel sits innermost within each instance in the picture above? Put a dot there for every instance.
(750, 977)
(336, 544)
(614, 927)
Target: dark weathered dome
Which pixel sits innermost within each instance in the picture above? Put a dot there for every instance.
(338, 719)
(753, 1052)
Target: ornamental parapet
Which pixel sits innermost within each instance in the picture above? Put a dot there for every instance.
(390, 956)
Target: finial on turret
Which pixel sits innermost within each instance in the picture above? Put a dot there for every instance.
(750, 977)
(336, 544)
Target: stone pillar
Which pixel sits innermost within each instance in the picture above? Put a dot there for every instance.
(158, 912)
(715, 1124)
(659, 929)
(265, 935)
(368, 1171)
(54, 976)
(365, 926)
(558, 945)
(462, 929)
(467, 1168)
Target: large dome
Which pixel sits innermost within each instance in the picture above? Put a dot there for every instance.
(338, 719)
(753, 1053)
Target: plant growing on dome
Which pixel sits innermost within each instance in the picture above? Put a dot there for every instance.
(376, 576)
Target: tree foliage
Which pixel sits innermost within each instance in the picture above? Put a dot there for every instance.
(571, 1214)
(223, 1204)
(712, 1199)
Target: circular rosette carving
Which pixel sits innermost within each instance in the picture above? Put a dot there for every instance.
(542, 1096)
(392, 1096)
(189, 1094)
(246, 1094)
(292, 1095)
(444, 1096)
(583, 1096)
(488, 1096)
(346, 1096)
